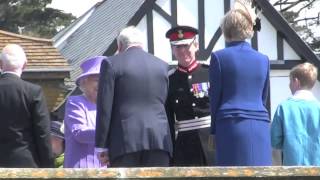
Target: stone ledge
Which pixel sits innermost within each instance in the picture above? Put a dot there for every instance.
(272, 172)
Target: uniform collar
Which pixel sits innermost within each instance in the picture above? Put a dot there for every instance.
(190, 68)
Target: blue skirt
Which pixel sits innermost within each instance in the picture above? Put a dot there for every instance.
(243, 142)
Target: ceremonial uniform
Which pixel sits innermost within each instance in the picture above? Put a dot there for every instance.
(188, 112)
(188, 103)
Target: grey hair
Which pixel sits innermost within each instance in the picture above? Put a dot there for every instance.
(237, 25)
(130, 36)
(13, 57)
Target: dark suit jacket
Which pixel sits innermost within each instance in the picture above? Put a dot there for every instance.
(239, 83)
(25, 127)
(132, 92)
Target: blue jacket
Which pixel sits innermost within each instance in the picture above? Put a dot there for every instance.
(239, 83)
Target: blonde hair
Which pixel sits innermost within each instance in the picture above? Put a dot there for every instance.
(246, 6)
(237, 25)
(306, 73)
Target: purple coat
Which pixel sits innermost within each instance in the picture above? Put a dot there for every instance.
(80, 124)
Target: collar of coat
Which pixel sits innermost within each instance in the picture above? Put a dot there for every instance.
(190, 68)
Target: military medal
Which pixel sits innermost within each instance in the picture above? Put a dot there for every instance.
(201, 92)
(206, 88)
(195, 90)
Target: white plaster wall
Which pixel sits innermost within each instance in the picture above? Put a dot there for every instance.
(213, 18)
(142, 26)
(288, 52)
(279, 88)
(187, 12)
(162, 48)
(165, 5)
(267, 39)
(220, 44)
(231, 2)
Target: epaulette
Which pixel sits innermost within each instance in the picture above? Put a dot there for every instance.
(171, 71)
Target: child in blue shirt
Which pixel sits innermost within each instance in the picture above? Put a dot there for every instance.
(296, 124)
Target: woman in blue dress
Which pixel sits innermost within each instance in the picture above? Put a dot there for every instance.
(239, 83)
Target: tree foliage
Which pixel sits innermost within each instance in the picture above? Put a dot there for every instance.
(32, 17)
(305, 24)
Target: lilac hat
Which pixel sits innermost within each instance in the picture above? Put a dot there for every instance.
(90, 66)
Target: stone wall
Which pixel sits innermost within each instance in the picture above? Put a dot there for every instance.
(260, 173)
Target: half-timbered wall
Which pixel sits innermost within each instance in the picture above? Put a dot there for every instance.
(206, 16)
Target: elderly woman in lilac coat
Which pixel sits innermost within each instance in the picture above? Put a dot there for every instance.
(80, 118)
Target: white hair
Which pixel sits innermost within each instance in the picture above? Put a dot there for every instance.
(130, 36)
(13, 57)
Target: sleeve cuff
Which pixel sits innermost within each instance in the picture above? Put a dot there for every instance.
(99, 150)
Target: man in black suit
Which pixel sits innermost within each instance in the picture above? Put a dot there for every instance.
(25, 128)
(131, 118)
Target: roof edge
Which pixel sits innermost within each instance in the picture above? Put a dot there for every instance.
(146, 6)
(58, 39)
(25, 37)
(35, 70)
(282, 26)
(65, 33)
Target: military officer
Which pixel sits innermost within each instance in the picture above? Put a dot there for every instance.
(187, 104)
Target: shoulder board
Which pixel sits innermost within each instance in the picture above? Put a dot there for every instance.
(171, 71)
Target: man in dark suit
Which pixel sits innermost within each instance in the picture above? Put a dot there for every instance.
(25, 128)
(131, 118)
